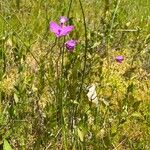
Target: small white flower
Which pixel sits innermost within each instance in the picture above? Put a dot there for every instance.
(92, 95)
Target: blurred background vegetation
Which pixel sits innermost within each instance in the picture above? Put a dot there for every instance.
(38, 112)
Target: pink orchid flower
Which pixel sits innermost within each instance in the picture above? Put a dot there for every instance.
(60, 30)
(119, 59)
(70, 45)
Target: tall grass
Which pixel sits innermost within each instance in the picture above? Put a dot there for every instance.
(43, 87)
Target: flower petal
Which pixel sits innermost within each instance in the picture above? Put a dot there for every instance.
(63, 19)
(70, 45)
(66, 30)
(55, 28)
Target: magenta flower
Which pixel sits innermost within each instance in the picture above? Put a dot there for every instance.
(60, 31)
(70, 45)
(63, 19)
(119, 59)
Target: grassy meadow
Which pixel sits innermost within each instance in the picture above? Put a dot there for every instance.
(44, 103)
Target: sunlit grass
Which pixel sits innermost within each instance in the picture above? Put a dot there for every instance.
(43, 87)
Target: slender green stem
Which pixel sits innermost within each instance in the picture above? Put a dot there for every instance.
(85, 50)
(84, 68)
(70, 4)
(62, 52)
(108, 37)
(62, 83)
(113, 18)
(55, 42)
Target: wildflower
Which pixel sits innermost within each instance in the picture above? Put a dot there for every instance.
(63, 20)
(70, 45)
(60, 30)
(92, 95)
(119, 59)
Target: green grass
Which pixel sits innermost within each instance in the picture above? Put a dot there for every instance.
(43, 88)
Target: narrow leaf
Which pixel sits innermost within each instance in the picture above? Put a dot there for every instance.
(6, 145)
(80, 134)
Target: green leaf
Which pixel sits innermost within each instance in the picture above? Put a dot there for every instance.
(80, 134)
(6, 145)
(16, 98)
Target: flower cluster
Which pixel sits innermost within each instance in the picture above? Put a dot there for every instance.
(63, 30)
